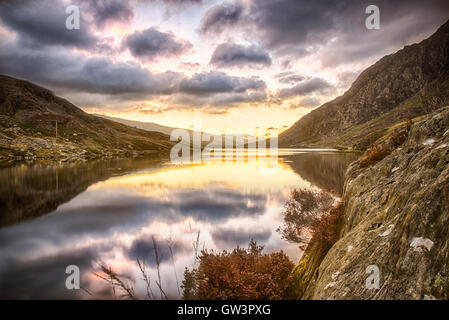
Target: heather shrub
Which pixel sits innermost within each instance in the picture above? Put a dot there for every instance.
(374, 154)
(326, 229)
(240, 274)
(379, 151)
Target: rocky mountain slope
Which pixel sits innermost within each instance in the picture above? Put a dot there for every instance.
(30, 114)
(396, 218)
(410, 83)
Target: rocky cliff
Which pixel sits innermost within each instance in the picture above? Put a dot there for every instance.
(410, 83)
(396, 220)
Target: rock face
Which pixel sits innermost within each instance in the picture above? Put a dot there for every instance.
(397, 221)
(407, 84)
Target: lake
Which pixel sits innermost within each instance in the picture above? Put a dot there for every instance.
(117, 211)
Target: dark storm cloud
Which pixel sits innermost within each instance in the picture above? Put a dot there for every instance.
(108, 11)
(219, 82)
(300, 27)
(287, 22)
(305, 87)
(238, 98)
(42, 23)
(218, 103)
(71, 72)
(230, 237)
(67, 70)
(221, 16)
(232, 55)
(151, 44)
(291, 24)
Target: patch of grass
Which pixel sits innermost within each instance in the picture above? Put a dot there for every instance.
(381, 149)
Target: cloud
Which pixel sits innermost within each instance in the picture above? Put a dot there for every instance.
(43, 277)
(72, 71)
(305, 87)
(106, 12)
(42, 23)
(218, 204)
(234, 55)
(219, 82)
(221, 16)
(104, 80)
(144, 250)
(346, 78)
(307, 102)
(291, 78)
(231, 237)
(334, 30)
(181, 2)
(151, 44)
(214, 91)
(298, 23)
(291, 23)
(88, 61)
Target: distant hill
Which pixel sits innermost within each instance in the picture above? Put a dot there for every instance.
(29, 115)
(148, 126)
(151, 126)
(408, 84)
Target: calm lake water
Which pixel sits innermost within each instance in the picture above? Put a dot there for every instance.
(55, 216)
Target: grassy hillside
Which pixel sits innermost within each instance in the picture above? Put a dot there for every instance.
(148, 126)
(30, 114)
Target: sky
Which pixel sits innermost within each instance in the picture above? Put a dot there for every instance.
(235, 66)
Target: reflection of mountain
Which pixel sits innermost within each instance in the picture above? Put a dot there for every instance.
(28, 192)
(324, 170)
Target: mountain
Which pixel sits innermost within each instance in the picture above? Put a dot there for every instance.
(407, 84)
(151, 126)
(395, 220)
(148, 126)
(34, 123)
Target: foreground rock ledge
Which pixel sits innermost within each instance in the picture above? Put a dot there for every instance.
(396, 218)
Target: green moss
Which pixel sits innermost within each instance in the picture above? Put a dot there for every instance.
(307, 270)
